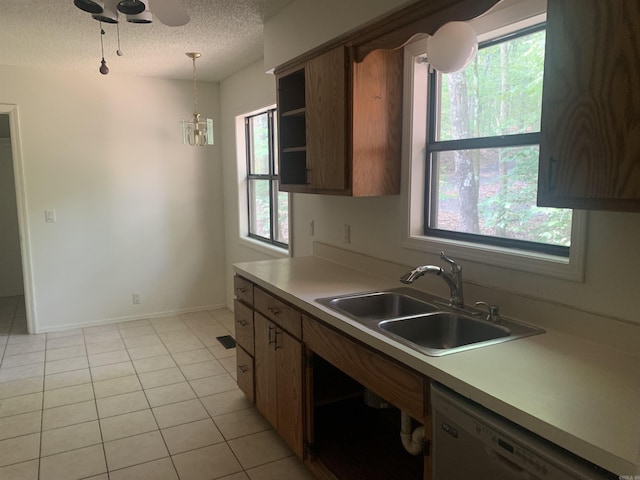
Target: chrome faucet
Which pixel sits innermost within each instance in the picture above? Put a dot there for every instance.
(453, 278)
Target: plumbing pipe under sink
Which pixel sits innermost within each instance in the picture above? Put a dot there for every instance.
(413, 442)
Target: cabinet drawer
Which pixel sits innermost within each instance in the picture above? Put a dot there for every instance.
(245, 373)
(243, 290)
(396, 383)
(244, 325)
(279, 312)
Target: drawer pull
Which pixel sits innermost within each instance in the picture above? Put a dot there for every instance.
(241, 290)
(243, 368)
(242, 323)
(271, 341)
(275, 346)
(273, 310)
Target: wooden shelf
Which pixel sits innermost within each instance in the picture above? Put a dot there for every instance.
(294, 113)
(294, 149)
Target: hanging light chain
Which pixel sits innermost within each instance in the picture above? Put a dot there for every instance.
(103, 64)
(196, 132)
(195, 86)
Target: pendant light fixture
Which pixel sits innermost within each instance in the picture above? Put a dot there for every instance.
(197, 132)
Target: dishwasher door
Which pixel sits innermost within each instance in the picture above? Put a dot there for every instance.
(471, 442)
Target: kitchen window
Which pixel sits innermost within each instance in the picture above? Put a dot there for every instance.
(473, 163)
(482, 150)
(267, 208)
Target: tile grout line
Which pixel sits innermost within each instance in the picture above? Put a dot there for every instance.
(95, 405)
(13, 319)
(175, 469)
(202, 345)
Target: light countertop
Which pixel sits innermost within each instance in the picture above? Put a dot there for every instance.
(579, 395)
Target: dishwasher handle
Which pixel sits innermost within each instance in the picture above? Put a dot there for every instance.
(507, 464)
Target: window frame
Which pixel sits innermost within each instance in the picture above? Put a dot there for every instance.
(272, 177)
(435, 146)
(414, 170)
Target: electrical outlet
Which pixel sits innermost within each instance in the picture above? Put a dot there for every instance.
(135, 297)
(347, 234)
(311, 228)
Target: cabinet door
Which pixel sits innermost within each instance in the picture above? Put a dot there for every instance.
(289, 380)
(265, 368)
(326, 120)
(590, 131)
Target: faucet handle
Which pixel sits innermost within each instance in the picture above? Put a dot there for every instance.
(454, 266)
(494, 311)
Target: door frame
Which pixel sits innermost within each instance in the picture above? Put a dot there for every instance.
(21, 203)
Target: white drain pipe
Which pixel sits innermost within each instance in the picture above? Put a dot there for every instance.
(412, 442)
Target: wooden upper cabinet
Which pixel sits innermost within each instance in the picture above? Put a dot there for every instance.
(340, 105)
(352, 118)
(326, 99)
(376, 123)
(590, 131)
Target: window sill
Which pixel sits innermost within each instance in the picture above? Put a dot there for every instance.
(265, 248)
(571, 268)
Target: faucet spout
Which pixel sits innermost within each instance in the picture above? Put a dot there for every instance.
(417, 272)
(453, 279)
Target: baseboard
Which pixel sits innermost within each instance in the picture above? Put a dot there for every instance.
(95, 323)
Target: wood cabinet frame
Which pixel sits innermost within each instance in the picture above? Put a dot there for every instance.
(590, 135)
(352, 111)
(285, 339)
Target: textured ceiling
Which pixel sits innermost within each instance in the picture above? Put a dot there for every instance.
(56, 34)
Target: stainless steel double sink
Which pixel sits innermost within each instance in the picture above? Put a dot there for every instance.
(425, 323)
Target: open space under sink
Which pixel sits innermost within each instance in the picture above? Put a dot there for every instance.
(425, 323)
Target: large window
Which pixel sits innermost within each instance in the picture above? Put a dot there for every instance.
(482, 150)
(268, 209)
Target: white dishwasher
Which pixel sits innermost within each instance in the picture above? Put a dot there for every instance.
(470, 442)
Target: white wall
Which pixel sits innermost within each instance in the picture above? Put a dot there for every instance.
(11, 281)
(247, 90)
(612, 269)
(137, 211)
(612, 272)
(306, 24)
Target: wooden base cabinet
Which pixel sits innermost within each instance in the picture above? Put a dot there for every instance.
(347, 436)
(243, 317)
(278, 371)
(309, 381)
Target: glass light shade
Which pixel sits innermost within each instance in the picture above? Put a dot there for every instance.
(452, 47)
(197, 132)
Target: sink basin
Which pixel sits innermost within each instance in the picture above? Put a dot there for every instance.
(379, 305)
(443, 330)
(412, 318)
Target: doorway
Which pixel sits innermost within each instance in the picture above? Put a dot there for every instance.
(15, 285)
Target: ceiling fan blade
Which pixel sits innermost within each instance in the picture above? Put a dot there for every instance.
(170, 12)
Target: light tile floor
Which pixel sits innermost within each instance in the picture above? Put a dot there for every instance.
(148, 399)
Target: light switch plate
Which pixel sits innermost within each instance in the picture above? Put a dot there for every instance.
(50, 216)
